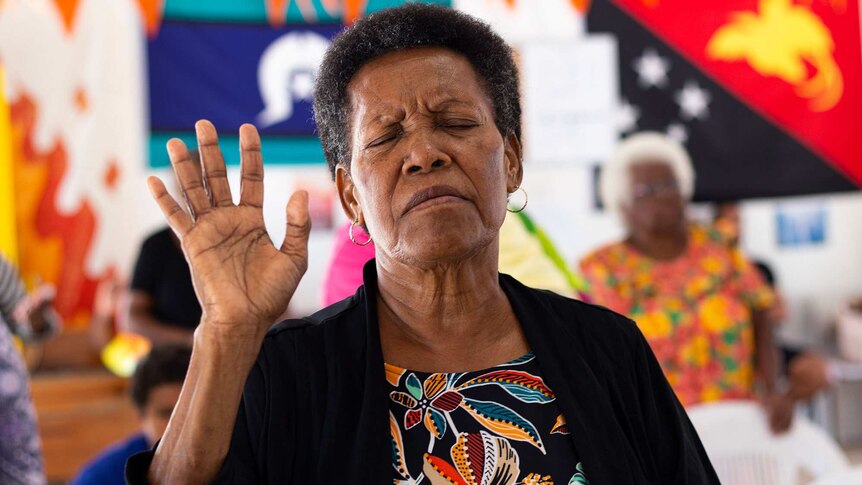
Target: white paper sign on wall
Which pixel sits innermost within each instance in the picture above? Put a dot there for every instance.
(570, 95)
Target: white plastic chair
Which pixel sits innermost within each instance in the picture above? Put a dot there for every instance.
(744, 451)
(850, 477)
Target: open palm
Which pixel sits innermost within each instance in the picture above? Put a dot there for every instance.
(241, 279)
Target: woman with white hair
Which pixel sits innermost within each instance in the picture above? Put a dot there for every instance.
(698, 301)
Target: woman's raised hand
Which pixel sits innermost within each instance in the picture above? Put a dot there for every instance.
(243, 282)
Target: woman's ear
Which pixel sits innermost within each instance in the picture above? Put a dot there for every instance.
(513, 157)
(347, 195)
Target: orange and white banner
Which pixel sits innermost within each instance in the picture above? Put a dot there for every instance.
(75, 91)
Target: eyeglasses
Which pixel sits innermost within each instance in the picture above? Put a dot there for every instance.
(654, 189)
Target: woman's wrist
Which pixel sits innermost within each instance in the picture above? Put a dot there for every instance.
(228, 340)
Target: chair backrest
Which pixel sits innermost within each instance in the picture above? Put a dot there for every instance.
(744, 451)
(849, 477)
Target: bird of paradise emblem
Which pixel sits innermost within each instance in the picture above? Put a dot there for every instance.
(786, 41)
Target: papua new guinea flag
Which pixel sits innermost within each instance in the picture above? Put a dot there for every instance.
(765, 94)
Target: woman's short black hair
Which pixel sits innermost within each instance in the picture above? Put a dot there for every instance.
(410, 26)
(165, 364)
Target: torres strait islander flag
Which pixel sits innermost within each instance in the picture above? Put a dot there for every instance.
(765, 94)
(243, 61)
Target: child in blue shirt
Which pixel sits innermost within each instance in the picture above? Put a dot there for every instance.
(155, 389)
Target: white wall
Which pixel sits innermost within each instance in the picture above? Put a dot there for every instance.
(815, 279)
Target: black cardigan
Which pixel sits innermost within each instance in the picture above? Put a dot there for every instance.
(315, 406)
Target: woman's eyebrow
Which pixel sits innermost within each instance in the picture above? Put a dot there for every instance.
(382, 120)
(441, 104)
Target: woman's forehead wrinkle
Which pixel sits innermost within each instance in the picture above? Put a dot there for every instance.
(368, 107)
(385, 119)
(358, 111)
(446, 95)
(447, 79)
(448, 74)
(432, 86)
(449, 100)
(459, 88)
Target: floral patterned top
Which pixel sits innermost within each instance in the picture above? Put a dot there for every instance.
(496, 426)
(695, 311)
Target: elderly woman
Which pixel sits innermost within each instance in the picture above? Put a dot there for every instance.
(701, 305)
(438, 369)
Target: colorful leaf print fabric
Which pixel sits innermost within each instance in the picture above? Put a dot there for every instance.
(498, 426)
(695, 311)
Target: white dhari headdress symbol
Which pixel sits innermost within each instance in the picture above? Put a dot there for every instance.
(286, 72)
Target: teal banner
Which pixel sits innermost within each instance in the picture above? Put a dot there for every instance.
(275, 150)
(255, 10)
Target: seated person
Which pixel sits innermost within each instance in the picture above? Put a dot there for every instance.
(162, 302)
(807, 372)
(696, 298)
(30, 318)
(155, 389)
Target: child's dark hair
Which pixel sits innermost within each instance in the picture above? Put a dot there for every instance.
(165, 364)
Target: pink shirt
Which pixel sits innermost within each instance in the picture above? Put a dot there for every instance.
(344, 274)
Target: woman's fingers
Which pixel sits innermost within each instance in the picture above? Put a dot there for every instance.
(213, 163)
(251, 172)
(177, 218)
(298, 226)
(189, 174)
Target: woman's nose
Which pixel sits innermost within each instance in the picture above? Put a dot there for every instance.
(424, 156)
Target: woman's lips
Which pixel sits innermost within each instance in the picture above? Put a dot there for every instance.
(436, 195)
(443, 199)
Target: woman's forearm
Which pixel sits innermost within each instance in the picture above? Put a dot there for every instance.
(766, 361)
(198, 435)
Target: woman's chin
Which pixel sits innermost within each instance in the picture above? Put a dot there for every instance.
(433, 247)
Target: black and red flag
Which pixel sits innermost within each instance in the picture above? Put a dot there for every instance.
(765, 94)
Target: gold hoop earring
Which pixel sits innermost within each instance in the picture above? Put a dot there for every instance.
(526, 200)
(353, 239)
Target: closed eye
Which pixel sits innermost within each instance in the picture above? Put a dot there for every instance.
(458, 124)
(382, 140)
(379, 141)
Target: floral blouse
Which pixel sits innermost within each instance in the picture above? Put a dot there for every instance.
(695, 311)
(497, 426)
